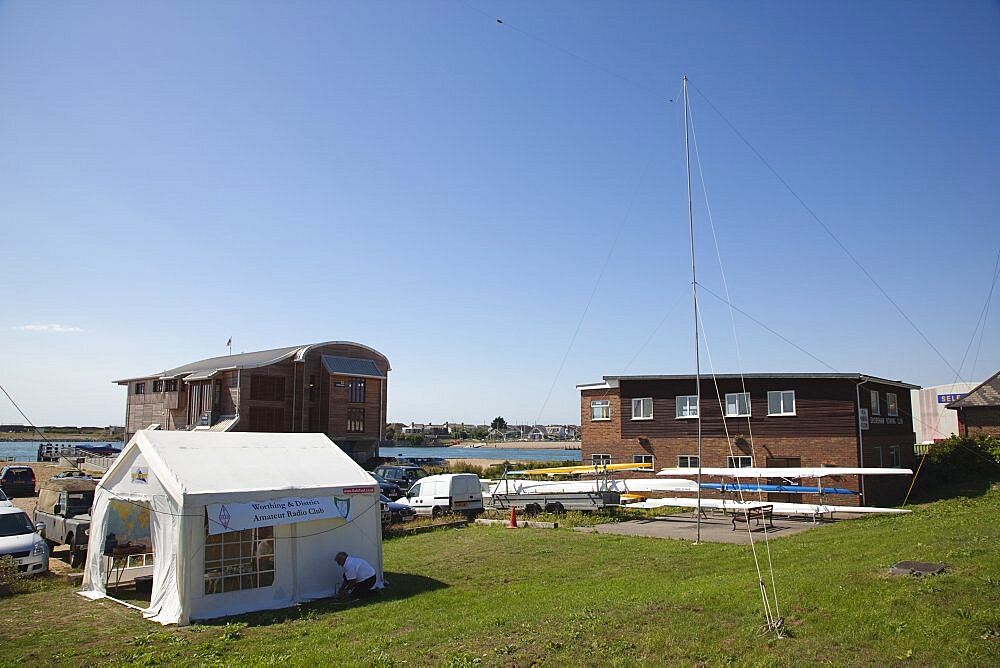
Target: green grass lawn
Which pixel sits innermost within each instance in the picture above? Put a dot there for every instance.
(492, 596)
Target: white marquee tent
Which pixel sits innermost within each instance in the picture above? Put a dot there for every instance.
(237, 521)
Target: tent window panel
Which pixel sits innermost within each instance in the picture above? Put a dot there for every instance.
(237, 560)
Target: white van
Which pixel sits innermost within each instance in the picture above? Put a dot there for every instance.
(446, 493)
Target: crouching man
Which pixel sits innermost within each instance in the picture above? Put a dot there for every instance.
(360, 578)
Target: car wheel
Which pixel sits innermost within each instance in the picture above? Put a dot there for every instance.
(436, 512)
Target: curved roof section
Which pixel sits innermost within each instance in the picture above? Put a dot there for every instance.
(207, 368)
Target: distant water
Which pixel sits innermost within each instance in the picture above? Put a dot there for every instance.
(27, 451)
(509, 454)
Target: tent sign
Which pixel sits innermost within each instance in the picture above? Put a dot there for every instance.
(224, 517)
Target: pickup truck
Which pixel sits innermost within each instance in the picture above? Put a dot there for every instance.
(64, 510)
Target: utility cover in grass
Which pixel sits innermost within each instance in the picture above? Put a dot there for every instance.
(916, 568)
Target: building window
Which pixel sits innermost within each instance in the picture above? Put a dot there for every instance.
(738, 404)
(739, 462)
(643, 459)
(600, 409)
(140, 388)
(687, 461)
(687, 406)
(356, 390)
(875, 408)
(157, 386)
(894, 456)
(878, 456)
(267, 388)
(237, 560)
(890, 404)
(600, 459)
(642, 409)
(781, 402)
(355, 420)
(170, 386)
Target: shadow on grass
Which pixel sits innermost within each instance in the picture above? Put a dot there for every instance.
(926, 491)
(398, 586)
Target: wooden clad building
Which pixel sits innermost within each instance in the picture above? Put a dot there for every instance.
(337, 388)
(824, 419)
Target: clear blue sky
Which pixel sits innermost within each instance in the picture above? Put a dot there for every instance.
(445, 188)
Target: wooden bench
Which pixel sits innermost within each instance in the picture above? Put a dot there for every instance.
(757, 513)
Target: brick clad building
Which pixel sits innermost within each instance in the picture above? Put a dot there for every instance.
(831, 419)
(337, 388)
(979, 410)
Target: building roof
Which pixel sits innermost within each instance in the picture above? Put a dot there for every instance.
(986, 394)
(204, 369)
(613, 381)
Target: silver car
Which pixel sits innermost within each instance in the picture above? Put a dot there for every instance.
(20, 539)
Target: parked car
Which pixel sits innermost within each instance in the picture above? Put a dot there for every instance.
(63, 513)
(398, 512)
(404, 476)
(439, 462)
(4, 501)
(436, 495)
(17, 481)
(19, 539)
(389, 489)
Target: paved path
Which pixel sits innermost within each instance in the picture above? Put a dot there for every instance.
(714, 529)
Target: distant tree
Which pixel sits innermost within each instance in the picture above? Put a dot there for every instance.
(390, 434)
(499, 424)
(480, 433)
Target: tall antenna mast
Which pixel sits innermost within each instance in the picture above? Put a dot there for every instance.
(694, 294)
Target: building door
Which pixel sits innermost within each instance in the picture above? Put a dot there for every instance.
(782, 462)
(194, 403)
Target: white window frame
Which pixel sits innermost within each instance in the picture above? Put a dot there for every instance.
(739, 461)
(891, 404)
(875, 406)
(600, 403)
(640, 401)
(894, 460)
(781, 401)
(644, 459)
(600, 459)
(687, 461)
(686, 399)
(738, 395)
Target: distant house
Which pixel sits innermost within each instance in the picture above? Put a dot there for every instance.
(537, 433)
(979, 410)
(428, 429)
(562, 432)
(336, 388)
(831, 419)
